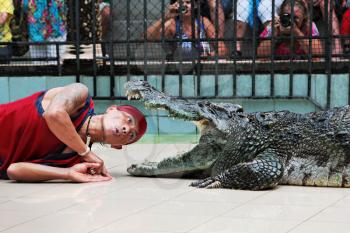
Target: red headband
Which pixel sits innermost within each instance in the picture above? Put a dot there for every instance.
(139, 118)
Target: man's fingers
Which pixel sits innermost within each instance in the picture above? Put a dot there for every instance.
(98, 178)
(105, 172)
(92, 165)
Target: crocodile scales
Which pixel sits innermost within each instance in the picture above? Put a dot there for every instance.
(253, 151)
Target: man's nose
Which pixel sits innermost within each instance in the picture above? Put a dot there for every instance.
(125, 129)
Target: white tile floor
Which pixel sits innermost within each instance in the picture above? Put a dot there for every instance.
(150, 205)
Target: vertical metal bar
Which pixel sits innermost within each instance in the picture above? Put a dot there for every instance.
(234, 72)
(77, 40)
(254, 45)
(273, 45)
(163, 44)
(216, 47)
(145, 42)
(199, 66)
(292, 57)
(310, 57)
(193, 31)
(128, 49)
(94, 24)
(111, 46)
(59, 66)
(181, 41)
(328, 49)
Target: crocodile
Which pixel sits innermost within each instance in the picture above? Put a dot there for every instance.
(253, 151)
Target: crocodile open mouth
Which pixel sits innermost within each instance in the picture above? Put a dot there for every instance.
(154, 99)
(204, 114)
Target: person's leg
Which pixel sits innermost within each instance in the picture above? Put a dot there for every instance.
(105, 14)
(240, 20)
(336, 49)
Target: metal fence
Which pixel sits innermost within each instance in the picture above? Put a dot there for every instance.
(146, 37)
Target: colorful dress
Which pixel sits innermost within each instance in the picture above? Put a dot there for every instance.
(25, 136)
(202, 47)
(46, 19)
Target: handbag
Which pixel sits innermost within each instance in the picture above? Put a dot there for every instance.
(18, 25)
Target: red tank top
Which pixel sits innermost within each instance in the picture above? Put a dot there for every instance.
(25, 136)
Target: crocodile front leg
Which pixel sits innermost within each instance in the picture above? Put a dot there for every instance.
(264, 172)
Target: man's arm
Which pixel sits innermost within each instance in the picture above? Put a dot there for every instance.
(32, 172)
(57, 114)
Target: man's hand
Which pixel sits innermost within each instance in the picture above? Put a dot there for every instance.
(98, 170)
(81, 173)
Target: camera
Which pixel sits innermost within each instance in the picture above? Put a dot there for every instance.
(286, 20)
(183, 9)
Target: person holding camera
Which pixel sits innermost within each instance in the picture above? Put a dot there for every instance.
(179, 24)
(290, 25)
(6, 13)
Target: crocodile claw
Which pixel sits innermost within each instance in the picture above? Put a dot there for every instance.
(208, 183)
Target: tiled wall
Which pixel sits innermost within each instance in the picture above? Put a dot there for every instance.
(12, 88)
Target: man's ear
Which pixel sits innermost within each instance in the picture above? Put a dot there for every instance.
(118, 147)
(110, 108)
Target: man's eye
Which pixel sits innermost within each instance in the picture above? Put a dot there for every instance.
(132, 136)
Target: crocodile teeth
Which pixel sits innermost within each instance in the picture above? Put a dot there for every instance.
(129, 97)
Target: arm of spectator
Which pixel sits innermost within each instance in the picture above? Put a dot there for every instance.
(210, 32)
(4, 16)
(155, 31)
(264, 49)
(220, 16)
(220, 23)
(337, 48)
(316, 45)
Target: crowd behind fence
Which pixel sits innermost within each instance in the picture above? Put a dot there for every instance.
(174, 36)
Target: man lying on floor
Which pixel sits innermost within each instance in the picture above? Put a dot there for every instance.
(48, 135)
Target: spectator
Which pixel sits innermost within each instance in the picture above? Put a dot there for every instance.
(46, 23)
(209, 10)
(181, 27)
(345, 27)
(336, 48)
(6, 12)
(105, 10)
(285, 25)
(246, 17)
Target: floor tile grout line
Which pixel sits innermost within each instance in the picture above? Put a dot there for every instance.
(225, 212)
(318, 212)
